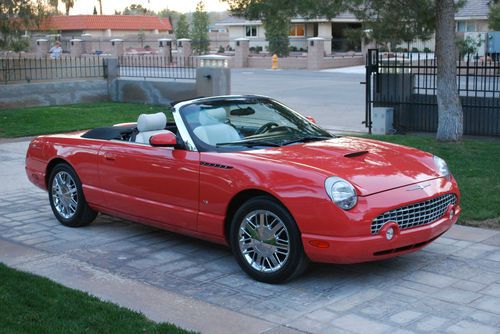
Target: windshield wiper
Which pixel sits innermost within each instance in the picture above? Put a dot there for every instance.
(306, 139)
(249, 143)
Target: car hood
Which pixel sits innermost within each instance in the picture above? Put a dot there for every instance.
(371, 166)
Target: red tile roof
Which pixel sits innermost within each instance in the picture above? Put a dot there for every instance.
(103, 22)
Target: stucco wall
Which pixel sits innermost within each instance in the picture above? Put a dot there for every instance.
(301, 62)
(53, 93)
(159, 92)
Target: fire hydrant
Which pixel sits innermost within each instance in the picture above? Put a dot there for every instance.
(275, 62)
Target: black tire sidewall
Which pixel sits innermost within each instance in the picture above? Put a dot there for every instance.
(76, 219)
(296, 250)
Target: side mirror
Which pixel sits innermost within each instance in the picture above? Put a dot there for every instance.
(166, 139)
(311, 119)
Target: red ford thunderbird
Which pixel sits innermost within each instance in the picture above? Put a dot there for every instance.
(249, 172)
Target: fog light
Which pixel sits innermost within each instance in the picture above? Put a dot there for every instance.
(389, 233)
(452, 213)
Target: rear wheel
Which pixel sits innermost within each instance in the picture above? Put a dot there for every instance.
(67, 199)
(266, 242)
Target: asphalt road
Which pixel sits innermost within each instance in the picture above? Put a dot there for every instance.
(336, 99)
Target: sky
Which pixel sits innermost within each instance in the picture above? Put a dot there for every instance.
(109, 6)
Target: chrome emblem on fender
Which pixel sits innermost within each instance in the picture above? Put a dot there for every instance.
(419, 187)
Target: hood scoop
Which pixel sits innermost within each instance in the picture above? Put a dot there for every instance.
(355, 154)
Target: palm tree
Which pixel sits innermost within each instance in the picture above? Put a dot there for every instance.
(100, 7)
(68, 4)
(54, 4)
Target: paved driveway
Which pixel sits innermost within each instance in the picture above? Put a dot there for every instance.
(452, 286)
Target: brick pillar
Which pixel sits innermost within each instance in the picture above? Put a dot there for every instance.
(366, 46)
(165, 47)
(315, 53)
(242, 51)
(75, 47)
(117, 47)
(42, 48)
(86, 43)
(184, 47)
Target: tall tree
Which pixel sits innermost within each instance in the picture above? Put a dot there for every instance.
(54, 4)
(141, 37)
(68, 4)
(182, 28)
(172, 15)
(100, 7)
(16, 16)
(277, 32)
(199, 29)
(450, 113)
(393, 22)
(137, 9)
(494, 16)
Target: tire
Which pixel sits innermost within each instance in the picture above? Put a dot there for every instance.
(67, 199)
(266, 241)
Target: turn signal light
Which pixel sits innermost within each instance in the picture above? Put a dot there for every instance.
(319, 243)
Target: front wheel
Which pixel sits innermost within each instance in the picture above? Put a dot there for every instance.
(266, 241)
(67, 199)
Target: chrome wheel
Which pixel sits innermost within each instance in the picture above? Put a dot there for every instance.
(64, 194)
(264, 241)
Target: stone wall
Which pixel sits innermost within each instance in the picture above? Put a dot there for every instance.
(53, 93)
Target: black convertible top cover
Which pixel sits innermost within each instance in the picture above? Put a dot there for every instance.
(109, 132)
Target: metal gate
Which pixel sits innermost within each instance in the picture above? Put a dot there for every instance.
(407, 83)
(371, 69)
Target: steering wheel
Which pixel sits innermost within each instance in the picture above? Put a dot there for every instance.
(265, 128)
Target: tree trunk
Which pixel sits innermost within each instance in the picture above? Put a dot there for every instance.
(450, 114)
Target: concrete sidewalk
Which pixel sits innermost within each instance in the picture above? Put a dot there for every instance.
(452, 286)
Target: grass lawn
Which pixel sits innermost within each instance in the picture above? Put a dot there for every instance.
(475, 163)
(44, 120)
(32, 304)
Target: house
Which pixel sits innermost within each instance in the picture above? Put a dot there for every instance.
(471, 17)
(300, 30)
(105, 25)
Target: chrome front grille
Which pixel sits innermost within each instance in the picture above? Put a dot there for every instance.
(415, 214)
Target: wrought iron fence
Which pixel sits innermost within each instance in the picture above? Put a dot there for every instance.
(18, 70)
(408, 83)
(163, 67)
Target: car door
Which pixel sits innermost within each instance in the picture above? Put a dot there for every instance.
(158, 184)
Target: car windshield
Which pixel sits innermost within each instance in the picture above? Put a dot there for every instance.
(250, 123)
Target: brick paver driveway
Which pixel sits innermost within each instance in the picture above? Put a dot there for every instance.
(451, 286)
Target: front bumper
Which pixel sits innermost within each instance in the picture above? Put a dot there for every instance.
(376, 247)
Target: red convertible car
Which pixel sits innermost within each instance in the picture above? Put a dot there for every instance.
(248, 172)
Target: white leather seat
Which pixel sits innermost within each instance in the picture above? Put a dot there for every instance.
(213, 129)
(150, 125)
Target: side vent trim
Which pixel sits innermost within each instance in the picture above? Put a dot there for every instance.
(208, 164)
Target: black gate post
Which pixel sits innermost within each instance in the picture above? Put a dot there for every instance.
(371, 67)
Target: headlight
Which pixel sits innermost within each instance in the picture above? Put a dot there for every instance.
(441, 166)
(341, 192)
